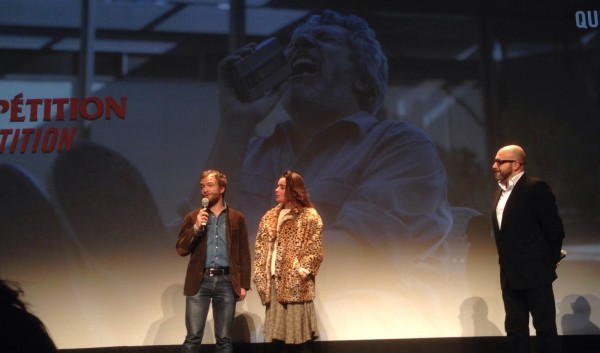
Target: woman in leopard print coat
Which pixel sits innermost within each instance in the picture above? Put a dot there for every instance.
(288, 253)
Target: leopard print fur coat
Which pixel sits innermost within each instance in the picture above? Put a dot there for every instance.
(299, 250)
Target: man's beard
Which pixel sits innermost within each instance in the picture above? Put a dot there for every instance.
(311, 102)
(502, 177)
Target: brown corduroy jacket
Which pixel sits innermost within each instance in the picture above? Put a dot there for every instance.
(194, 244)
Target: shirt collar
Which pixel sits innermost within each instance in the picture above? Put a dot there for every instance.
(225, 207)
(364, 121)
(511, 182)
(360, 121)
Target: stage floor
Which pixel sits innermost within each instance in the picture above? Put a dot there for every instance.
(571, 344)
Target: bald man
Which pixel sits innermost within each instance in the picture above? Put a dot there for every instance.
(529, 234)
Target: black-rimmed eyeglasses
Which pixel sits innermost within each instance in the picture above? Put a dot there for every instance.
(502, 161)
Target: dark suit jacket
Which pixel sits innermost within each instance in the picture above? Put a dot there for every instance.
(531, 237)
(238, 251)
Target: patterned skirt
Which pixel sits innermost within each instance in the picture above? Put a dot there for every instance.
(291, 323)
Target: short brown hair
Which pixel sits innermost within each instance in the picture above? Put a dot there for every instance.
(221, 178)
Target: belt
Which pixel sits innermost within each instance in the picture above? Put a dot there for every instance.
(219, 271)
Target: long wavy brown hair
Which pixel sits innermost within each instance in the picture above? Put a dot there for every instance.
(295, 191)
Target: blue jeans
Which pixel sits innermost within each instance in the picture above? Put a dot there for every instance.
(217, 289)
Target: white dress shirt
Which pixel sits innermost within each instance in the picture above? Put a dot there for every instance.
(506, 190)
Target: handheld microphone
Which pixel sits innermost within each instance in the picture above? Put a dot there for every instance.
(204, 205)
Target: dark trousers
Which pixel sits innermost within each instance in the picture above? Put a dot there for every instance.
(518, 304)
(218, 291)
